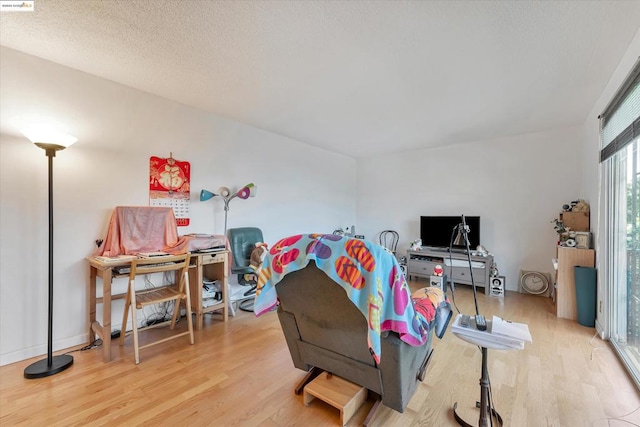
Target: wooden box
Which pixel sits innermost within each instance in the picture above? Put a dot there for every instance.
(337, 392)
(576, 221)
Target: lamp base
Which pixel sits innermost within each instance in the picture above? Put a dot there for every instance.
(41, 368)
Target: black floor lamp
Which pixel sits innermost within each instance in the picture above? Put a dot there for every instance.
(51, 141)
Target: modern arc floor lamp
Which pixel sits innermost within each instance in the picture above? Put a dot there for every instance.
(51, 141)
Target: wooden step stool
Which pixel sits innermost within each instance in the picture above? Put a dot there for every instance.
(337, 392)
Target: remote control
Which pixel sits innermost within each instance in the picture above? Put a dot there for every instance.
(481, 322)
(464, 320)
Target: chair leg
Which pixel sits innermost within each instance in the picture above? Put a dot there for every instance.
(372, 414)
(127, 303)
(188, 303)
(176, 312)
(134, 320)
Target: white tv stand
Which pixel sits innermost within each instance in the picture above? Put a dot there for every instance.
(421, 263)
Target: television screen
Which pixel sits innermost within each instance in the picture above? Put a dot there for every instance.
(437, 231)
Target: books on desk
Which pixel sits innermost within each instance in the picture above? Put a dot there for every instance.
(500, 334)
(123, 269)
(114, 259)
(126, 269)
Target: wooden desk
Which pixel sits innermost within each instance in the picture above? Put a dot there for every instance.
(211, 265)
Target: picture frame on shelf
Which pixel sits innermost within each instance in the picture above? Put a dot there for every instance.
(583, 239)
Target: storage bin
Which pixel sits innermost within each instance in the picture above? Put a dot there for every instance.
(585, 278)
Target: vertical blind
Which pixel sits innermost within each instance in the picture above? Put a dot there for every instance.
(620, 121)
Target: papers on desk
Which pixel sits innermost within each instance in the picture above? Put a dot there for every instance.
(500, 334)
(114, 259)
(213, 249)
(146, 255)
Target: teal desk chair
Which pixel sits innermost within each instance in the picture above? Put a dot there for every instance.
(242, 242)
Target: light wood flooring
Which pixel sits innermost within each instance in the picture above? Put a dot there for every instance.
(240, 373)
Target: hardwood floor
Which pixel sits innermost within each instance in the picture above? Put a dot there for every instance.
(240, 373)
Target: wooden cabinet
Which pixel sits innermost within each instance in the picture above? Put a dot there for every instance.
(213, 266)
(421, 263)
(565, 280)
(576, 221)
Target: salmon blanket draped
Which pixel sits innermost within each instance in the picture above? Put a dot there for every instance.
(134, 229)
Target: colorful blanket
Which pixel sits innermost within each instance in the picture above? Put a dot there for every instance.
(370, 275)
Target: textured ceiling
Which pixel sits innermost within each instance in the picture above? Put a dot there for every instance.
(356, 77)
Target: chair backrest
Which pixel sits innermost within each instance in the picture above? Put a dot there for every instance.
(325, 317)
(389, 240)
(177, 263)
(243, 241)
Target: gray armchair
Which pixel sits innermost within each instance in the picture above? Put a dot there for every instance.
(326, 332)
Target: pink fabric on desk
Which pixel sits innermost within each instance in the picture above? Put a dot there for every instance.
(134, 229)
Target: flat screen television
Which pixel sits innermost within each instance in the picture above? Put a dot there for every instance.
(437, 231)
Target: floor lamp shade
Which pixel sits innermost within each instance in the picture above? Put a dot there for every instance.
(245, 192)
(51, 141)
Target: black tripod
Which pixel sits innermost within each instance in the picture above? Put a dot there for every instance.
(484, 404)
(485, 395)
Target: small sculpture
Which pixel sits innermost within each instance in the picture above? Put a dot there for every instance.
(494, 270)
(257, 256)
(438, 270)
(580, 206)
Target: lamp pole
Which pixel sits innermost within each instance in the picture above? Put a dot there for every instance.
(51, 365)
(227, 199)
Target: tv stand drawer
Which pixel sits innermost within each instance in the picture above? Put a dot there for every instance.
(421, 268)
(462, 274)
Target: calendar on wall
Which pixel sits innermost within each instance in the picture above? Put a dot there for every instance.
(169, 186)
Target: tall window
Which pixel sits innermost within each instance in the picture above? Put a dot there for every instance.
(620, 157)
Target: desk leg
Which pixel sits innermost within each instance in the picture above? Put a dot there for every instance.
(225, 293)
(106, 315)
(198, 294)
(92, 302)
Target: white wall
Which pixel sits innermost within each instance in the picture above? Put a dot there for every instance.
(517, 185)
(300, 188)
(592, 171)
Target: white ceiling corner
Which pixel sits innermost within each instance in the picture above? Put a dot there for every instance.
(359, 78)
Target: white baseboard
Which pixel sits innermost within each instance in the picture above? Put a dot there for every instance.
(41, 350)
